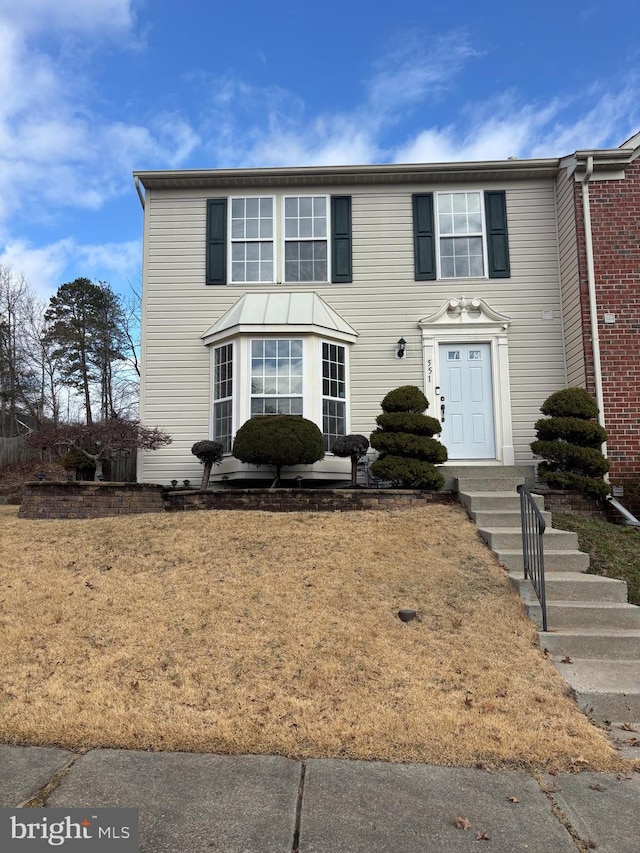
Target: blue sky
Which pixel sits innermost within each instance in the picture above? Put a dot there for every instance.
(92, 89)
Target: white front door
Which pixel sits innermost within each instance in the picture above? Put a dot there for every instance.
(466, 386)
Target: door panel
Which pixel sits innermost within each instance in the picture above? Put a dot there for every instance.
(467, 388)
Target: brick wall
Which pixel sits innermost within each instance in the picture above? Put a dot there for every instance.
(572, 502)
(615, 221)
(89, 500)
(303, 500)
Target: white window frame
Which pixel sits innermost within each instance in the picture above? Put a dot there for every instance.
(231, 240)
(284, 239)
(220, 400)
(288, 396)
(482, 235)
(330, 397)
(279, 239)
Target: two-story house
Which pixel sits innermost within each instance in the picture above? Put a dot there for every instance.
(315, 291)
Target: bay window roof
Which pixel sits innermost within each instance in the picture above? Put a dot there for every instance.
(290, 313)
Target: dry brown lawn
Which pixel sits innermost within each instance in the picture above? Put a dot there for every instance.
(249, 632)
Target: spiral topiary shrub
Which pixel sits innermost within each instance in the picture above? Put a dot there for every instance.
(278, 441)
(569, 441)
(404, 440)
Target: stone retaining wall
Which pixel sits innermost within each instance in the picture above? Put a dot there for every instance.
(303, 500)
(95, 500)
(89, 500)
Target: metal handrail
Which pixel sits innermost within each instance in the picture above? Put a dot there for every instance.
(533, 527)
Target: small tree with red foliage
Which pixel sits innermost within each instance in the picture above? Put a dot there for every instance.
(99, 442)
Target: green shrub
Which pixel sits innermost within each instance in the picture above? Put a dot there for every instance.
(409, 422)
(570, 403)
(404, 441)
(210, 453)
(76, 461)
(352, 447)
(408, 445)
(569, 443)
(408, 473)
(562, 456)
(406, 398)
(278, 441)
(573, 430)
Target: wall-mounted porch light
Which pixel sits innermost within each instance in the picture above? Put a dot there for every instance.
(402, 348)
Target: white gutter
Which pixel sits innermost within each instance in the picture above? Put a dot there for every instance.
(136, 181)
(593, 307)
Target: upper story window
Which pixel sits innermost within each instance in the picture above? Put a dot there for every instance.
(252, 239)
(460, 235)
(279, 239)
(305, 238)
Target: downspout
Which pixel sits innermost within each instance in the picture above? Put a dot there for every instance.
(595, 337)
(593, 308)
(136, 181)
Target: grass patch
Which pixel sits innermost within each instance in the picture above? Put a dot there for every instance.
(614, 550)
(250, 632)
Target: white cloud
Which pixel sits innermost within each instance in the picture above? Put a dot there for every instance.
(53, 148)
(501, 128)
(45, 267)
(418, 68)
(74, 15)
(269, 126)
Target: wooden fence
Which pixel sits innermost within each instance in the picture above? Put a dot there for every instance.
(14, 450)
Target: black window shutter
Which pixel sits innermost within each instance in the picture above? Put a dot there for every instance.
(341, 263)
(495, 206)
(216, 241)
(424, 237)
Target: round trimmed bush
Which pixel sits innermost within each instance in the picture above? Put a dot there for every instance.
(570, 403)
(406, 398)
(573, 430)
(409, 445)
(408, 473)
(409, 422)
(352, 447)
(210, 453)
(278, 441)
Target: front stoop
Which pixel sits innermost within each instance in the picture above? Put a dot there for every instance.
(594, 633)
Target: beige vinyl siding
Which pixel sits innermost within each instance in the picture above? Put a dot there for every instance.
(382, 304)
(570, 279)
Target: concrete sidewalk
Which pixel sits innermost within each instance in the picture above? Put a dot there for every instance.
(194, 803)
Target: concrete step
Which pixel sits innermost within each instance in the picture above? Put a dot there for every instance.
(554, 561)
(489, 482)
(605, 689)
(574, 586)
(602, 644)
(509, 501)
(496, 518)
(483, 473)
(591, 614)
(508, 539)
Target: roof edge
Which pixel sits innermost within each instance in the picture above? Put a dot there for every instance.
(397, 172)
